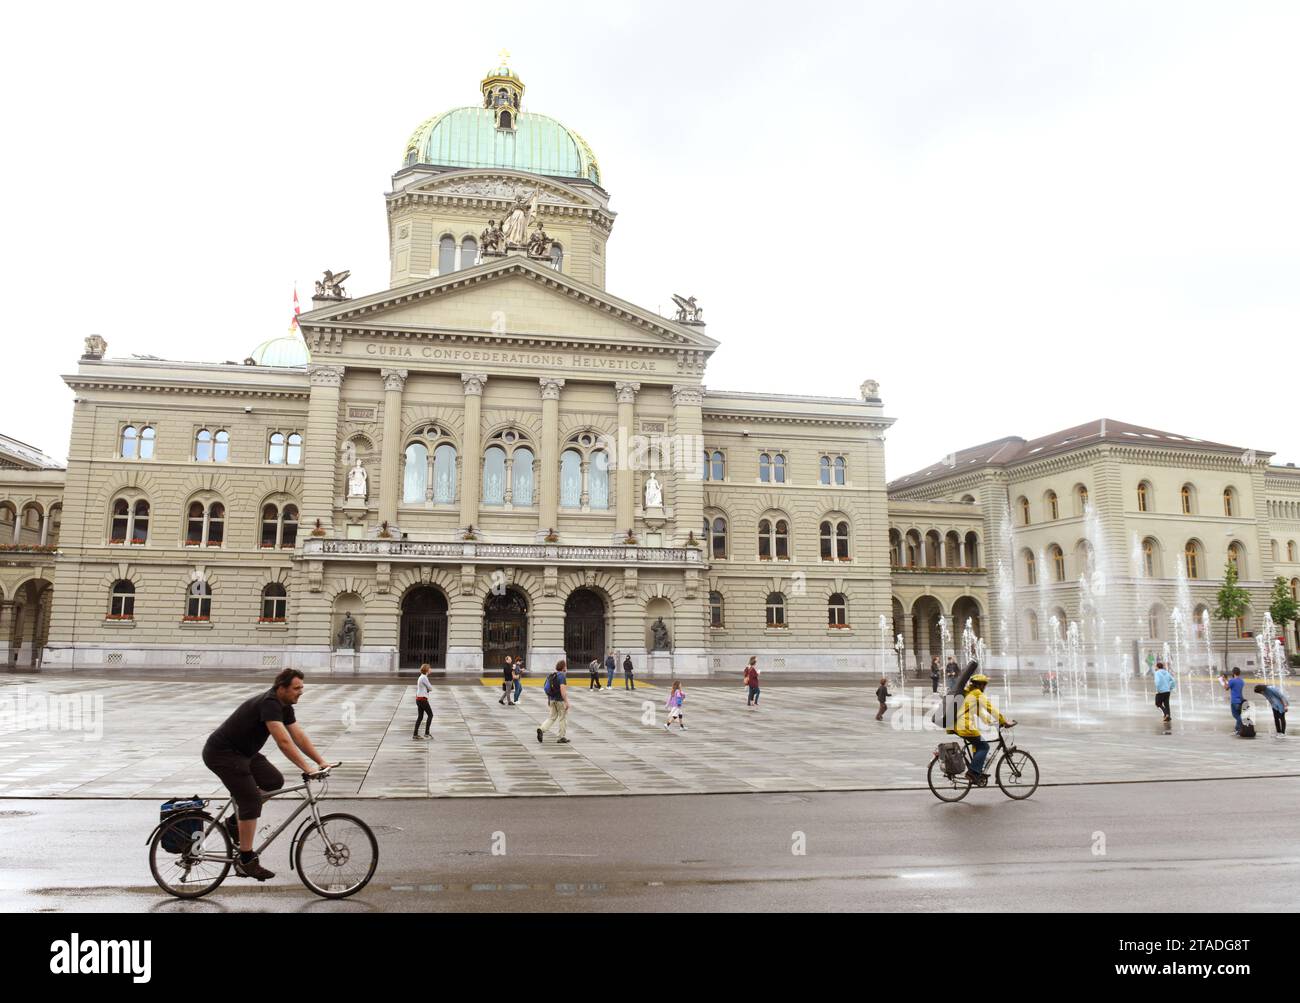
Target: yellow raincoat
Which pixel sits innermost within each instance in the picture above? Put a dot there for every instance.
(976, 703)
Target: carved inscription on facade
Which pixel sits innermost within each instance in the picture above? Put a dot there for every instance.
(558, 360)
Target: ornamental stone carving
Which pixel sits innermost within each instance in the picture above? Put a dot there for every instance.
(325, 376)
(870, 390)
(688, 396)
(394, 379)
(551, 388)
(627, 392)
(473, 383)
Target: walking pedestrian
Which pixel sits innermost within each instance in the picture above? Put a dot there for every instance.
(1164, 686)
(953, 670)
(423, 690)
(508, 682)
(674, 706)
(611, 665)
(1235, 686)
(751, 680)
(1278, 701)
(593, 669)
(557, 702)
(934, 676)
(518, 670)
(882, 694)
(628, 682)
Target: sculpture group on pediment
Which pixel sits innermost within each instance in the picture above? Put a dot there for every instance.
(516, 224)
(492, 240)
(688, 311)
(539, 244)
(331, 286)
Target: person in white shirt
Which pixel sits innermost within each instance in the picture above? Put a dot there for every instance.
(423, 691)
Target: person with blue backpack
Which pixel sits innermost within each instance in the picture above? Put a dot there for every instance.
(557, 699)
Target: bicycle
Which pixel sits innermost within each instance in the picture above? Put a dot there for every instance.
(322, 850)
(1016, 772)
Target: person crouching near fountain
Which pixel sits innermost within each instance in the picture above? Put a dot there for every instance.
(1164, 686)
(974, 707)
(1277, 700)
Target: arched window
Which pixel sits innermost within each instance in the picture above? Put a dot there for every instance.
(468, 252)
(1031, 568)
(1024, 511)
(1237, 558)
(778, 468)
(130, 522)
(137, 443)
(835, 542)
(295, 449)
(203, 446)
(275, 604)
(1149, 558)
(598, 480)
(212, 447)
(444, 474)
(782, 539)
(205, 525)
(973, 550)
(524, 478)
(773, 540)
(1144, 497)
(1295, 589)
(895, 547)
(1291, 552)
(289, 527)
(198, 602)
(841, 471)
(715, 534)
(275, 450)
(1031, 624)
(121, 601)
(494, 476)
(1081, 494)
(828, 541)
(824, 470)
(1274, 551)
(1053, 506)
(284, 447)
(1058, 562)
(1188, 496)
(571, 479)
(446, 255)
(913, 545)
(764, 540)
(279, 527)
(776, 610)
(415, 478)
(765, 468)
(557, 257)
(1192, 556)
(838, 611)
(717, 620)
(717, 466)
(1230, 502)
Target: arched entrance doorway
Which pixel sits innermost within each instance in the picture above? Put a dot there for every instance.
(584, 628)
(30, 627)
(424, 629)
(505, 628)
(927, 638)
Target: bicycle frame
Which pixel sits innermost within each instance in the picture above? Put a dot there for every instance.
(309, 802)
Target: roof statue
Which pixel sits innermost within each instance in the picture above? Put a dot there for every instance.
(521, 215)
(331, 286)
(539, 244)
(688, 311)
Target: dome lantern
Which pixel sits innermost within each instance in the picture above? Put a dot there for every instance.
(503, 95)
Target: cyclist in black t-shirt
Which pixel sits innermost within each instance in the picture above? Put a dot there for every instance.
(233, 753)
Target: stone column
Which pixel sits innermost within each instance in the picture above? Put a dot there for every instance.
(472, 465)
(6, 630)
(390, 478)
(549, 473)
(961, 552)
(320, 459)
(943, 552)
(688, 488)
(625, 483)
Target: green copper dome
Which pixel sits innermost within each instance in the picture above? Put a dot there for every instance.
(286, 352)
(468, 137)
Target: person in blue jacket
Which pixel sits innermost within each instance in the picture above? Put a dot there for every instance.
(1235, 686)
(1164, 686)
(1278, 701)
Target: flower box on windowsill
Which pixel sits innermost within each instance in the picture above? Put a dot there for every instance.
(193, 543)
(196, 621)
(844, 559)
(839, 626)
(215, 543)
(272, 619)
(762, 558)
(778, 626)
(119, 621)
(120, 542)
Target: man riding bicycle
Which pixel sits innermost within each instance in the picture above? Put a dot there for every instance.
(233, 753)
(974, 707)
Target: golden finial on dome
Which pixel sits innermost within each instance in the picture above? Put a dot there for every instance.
(503, 94)
(505, 57)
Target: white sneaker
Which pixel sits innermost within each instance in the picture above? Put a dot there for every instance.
(666, 727)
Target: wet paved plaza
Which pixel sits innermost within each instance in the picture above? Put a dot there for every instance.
(108, 737)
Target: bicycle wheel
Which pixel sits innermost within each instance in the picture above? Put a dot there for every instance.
(945, 788)
(338, 857)
(1017, 774)
(192, 872)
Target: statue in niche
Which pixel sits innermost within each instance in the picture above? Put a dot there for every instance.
(662, 642)
(515, 226)
(654, 493)
(357, 480)
(347, 639)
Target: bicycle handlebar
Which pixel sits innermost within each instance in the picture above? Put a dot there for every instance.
(322, 775)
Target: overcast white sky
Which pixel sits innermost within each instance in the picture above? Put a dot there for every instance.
(1016, 216)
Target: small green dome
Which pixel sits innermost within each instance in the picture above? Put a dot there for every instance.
(286, 352)
(468, 137)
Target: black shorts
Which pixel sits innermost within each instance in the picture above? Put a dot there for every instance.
(245, 777)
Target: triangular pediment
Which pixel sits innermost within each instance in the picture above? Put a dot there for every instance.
(512, 298)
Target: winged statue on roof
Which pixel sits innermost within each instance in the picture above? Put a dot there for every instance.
(331, 286)
(688, 311)
(515, 225)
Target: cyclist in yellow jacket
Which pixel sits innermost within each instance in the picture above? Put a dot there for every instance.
(974, 707)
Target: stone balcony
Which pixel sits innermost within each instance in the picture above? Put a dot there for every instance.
(539, 555)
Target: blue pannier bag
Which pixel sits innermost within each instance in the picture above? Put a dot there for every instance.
(177, 837)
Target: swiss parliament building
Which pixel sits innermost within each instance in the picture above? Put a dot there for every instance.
(497, 456)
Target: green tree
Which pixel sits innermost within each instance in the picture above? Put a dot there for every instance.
(1232, 603)
(1282, 606)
